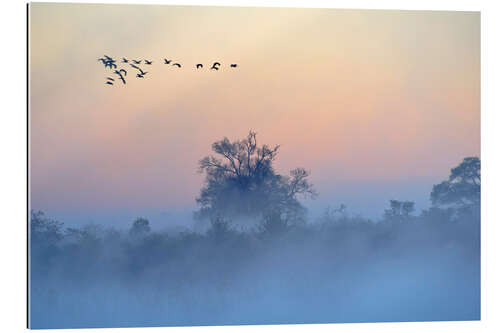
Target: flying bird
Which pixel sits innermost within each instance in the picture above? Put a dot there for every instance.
(177, 64)
(234, 65)
(142, 73)
(215, 66)
(137, 62)
(148, 62)
(167, 61)
(107, 61)
(110, 78)
(109, 58)
(110, 83)
(199, 66)
(124, 60)
(119, 73)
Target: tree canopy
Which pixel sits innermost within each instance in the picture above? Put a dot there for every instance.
(240, 181)
(463, 187)
(140, 227)
(399, 210)
(44, 229)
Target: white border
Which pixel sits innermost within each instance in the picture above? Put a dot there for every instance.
(13, 165)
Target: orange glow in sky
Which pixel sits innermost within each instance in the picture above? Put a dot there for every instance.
(355, 96)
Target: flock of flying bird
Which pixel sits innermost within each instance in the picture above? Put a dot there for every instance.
(111, 63)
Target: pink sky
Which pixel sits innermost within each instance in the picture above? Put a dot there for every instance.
(376, 104)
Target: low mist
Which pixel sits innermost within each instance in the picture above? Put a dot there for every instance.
(338, 269)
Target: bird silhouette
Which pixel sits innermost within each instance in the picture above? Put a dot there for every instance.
(108, 61)
(214, 67)
(137, 62)
(119, 73)
(177, 64)
(234, 65)
(167, 61)
(110, 83)
(199, 66)
(110, 78)
(142, 73)
(124, 60)
(109, 58)
(148, 62)
(216, 64)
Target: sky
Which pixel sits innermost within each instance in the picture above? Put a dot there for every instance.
(376, 104)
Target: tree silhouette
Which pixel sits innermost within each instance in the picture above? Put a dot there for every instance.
(140, 227)
(240, 181)
(44, 229)
(399, 210)
(463, 188)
